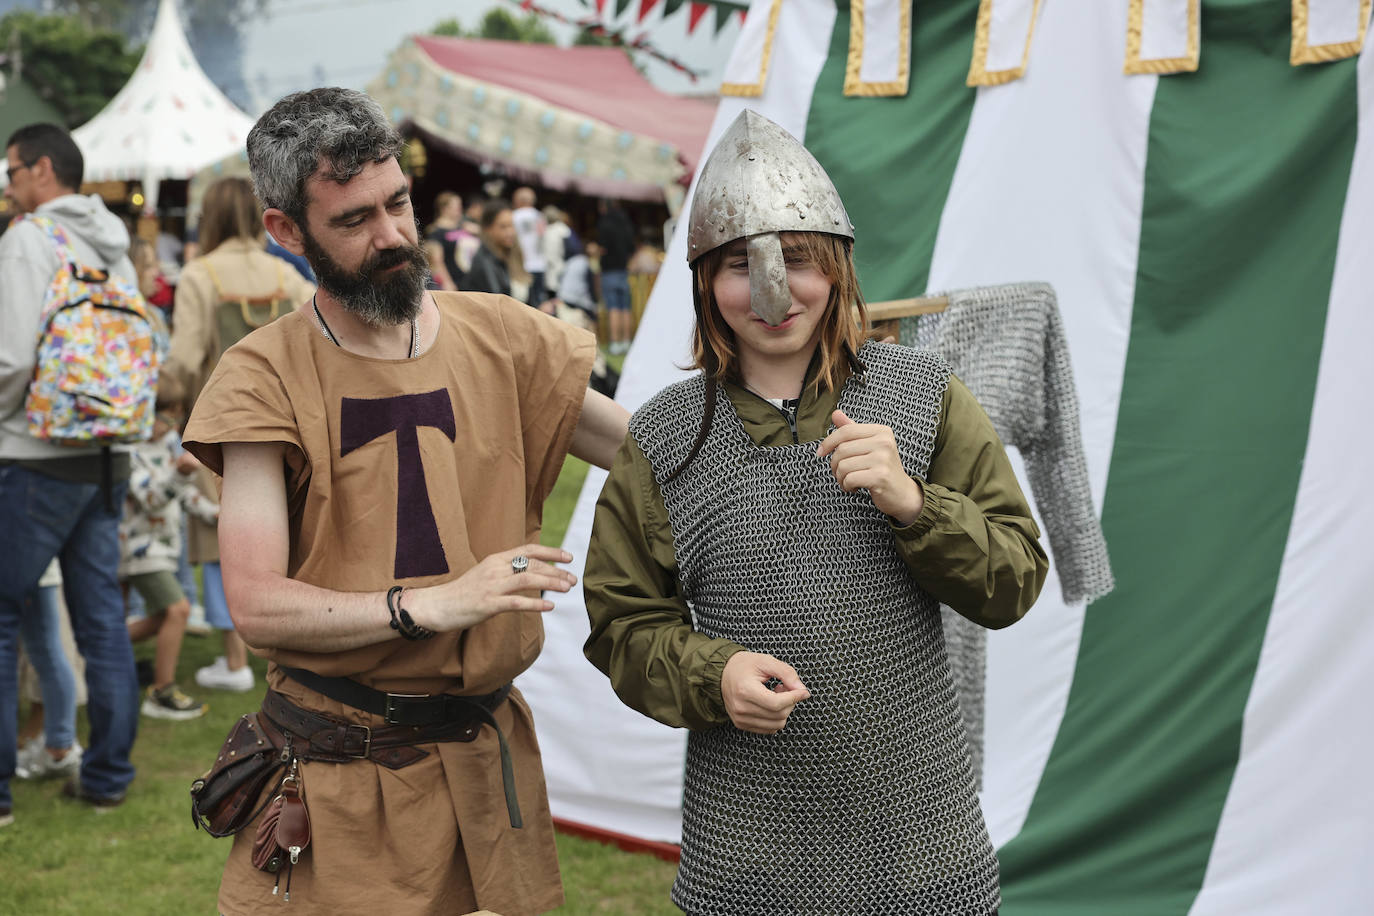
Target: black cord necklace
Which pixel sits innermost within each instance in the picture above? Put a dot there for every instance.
(329, 334)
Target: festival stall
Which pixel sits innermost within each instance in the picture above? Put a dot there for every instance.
(1193, 182)
(576, 119)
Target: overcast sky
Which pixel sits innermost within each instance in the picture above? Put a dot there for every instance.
(303, 43)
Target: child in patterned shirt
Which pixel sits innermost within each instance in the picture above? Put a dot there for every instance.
(161, 485)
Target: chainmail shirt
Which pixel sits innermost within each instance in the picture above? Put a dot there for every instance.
(865, 804)
(1006, 343)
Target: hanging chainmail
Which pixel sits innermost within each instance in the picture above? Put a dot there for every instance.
(865, 804)
(1006, 343)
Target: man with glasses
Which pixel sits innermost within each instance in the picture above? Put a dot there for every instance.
(53, 500)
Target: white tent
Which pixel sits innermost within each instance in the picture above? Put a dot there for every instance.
(168, 121)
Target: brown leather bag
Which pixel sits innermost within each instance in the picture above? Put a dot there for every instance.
(253, 757)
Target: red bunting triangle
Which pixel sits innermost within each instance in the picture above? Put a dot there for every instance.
(694, 15)
(600, 7)
(645, 6)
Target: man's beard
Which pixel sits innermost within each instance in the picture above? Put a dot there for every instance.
(376, 297)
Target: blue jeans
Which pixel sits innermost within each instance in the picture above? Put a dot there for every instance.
(41, 630)
(216, 607)
(42, 518)
(615, 290)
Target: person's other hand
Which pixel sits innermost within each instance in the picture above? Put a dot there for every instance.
(752, 704)
(865, 456)
(187, 463)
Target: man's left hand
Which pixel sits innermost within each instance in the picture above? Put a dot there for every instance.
(864, 456)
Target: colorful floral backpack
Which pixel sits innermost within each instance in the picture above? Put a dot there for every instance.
(99, 346)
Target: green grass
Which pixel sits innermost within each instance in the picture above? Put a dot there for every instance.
(144, 857)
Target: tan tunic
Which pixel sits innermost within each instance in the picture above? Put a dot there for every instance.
(243, 268)
(452, 455)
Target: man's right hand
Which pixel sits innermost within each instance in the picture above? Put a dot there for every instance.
(492, 587)
(752, 705)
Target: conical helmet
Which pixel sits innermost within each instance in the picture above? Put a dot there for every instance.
(760, 181)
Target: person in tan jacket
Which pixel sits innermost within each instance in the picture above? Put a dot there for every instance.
(232, 289)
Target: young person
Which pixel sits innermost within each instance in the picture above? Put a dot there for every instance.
(160, 487)
(769, 555)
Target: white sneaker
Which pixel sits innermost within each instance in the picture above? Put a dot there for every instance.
(196, 624)
(34, 761)
(217, 676)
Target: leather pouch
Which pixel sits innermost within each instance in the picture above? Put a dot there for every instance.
(284, 832)
(253, 756)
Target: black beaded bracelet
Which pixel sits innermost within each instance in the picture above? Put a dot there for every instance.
(401, 620)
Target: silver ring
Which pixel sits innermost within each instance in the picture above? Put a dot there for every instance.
(519, 564)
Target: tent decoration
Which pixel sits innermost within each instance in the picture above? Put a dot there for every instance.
(1197, 742)
(167, 122)
(565, 118)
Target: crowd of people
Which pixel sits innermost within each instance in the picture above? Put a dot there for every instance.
(767, 561)
(517, 249)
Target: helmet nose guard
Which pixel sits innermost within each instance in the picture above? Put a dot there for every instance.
(760, 181)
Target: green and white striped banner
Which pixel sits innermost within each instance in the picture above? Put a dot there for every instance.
(1199, 740)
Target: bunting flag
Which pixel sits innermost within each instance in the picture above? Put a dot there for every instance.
(1197, 742)
(645, 7)
(694, 16)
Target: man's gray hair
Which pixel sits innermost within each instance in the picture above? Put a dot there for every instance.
(335, 132)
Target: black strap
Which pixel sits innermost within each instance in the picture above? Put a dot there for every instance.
(401, 709)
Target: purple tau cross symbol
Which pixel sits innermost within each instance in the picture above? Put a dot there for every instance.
(419, 551)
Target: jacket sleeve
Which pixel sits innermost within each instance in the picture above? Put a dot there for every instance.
(974, 546)
(195, 502)
(641, 629)
(26, 271)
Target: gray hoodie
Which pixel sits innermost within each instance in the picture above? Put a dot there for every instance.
(28, 262)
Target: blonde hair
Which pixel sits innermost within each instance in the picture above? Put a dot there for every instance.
(230, 212)
(842, 333)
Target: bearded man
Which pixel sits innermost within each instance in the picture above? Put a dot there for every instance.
(386, 453)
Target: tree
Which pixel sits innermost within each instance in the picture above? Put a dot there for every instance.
(499, 25)
(74, 67)
(213, 28)
(136, 16)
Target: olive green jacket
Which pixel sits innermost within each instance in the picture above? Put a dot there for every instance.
(974, 547)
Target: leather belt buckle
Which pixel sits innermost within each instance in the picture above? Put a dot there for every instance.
(367, 742)
(421, 712)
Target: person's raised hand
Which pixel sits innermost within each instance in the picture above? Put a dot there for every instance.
(492, 587)
(864, 456)
(754, 705)
(186, 463)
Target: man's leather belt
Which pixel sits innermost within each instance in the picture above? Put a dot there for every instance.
(414, 719)
(336, 741)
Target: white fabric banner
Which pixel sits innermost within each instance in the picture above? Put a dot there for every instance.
(606, 765)
(1333, 22)
(884, 38)
(1009, 32)
(1076, 183)
(746, 73)
(1297, 831)
(1164, 28)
